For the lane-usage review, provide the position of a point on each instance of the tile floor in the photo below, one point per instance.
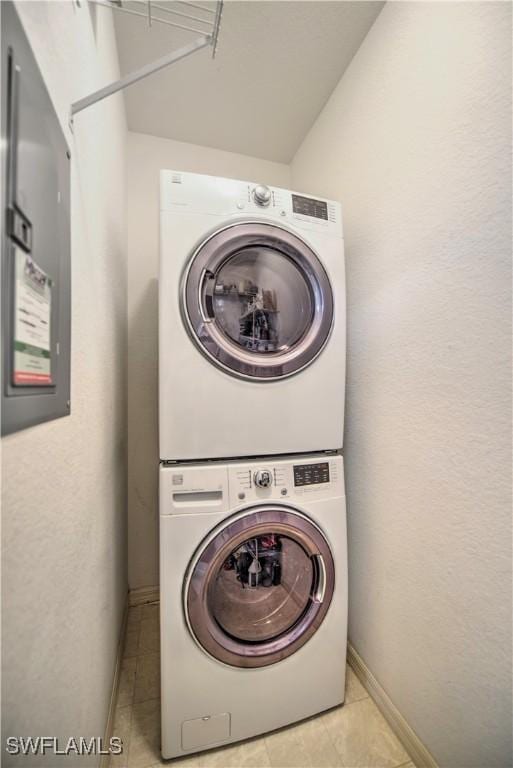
(352, 736)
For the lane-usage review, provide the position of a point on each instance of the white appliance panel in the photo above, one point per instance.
(195, 685)
(205, 411)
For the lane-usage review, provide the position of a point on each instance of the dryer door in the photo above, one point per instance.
(258, 301)
(259, 587)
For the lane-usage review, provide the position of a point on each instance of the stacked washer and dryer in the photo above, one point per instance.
(253, 554)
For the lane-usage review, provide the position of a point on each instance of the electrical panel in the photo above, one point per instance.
(36, 256)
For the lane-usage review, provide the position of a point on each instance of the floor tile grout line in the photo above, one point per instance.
(145, 701)
(331, 741)
(342, 764)
(353, 701)
(267, 751)
(129, 734)
(139, 636)
(146, 653)
(350, 704)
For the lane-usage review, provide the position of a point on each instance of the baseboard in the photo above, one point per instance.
(421, 757)
(143, 595)
(105, 759)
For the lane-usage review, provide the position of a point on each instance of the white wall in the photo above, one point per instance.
(64, 482)
(415, 142)
(146, 156)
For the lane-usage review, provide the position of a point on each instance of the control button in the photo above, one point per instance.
(263, 478)
(283, 491)
(283, 213)
(240, 206)
(242, 495)
(262, 195)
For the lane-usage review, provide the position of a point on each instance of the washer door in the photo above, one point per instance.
(258, 301)
(260, 587)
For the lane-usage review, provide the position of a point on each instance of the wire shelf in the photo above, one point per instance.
(208, 35)
(180, 14)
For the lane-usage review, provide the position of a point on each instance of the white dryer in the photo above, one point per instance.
(251, 320)
(253, 580)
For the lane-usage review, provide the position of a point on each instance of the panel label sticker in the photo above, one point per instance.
(32, 317)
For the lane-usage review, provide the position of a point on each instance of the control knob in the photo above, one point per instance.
(262, 195)
(263, 478)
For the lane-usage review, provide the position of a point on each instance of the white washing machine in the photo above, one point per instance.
(253, 575)
(251, 320)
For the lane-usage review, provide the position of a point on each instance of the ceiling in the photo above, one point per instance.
(277, 63)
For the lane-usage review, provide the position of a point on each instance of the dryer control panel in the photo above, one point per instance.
(195, 193)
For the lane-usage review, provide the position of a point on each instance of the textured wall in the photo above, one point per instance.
(64, 482)
(145, 158)
(415, 142)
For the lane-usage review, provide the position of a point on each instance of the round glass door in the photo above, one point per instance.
(258, 301)
(260, 588)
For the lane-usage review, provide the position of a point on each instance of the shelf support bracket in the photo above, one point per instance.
(140, 74)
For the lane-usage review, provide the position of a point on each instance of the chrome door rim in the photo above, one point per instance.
(211, 554)
(214, 252)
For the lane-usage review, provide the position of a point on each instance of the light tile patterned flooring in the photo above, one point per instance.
(352, 736)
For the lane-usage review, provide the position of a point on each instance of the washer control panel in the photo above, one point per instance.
(218, 487)
(195, 193)
(315, 477)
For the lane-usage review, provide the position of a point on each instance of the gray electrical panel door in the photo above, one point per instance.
(36, 269)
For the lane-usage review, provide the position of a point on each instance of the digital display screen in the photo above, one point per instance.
(311, 474)
(307, 206)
